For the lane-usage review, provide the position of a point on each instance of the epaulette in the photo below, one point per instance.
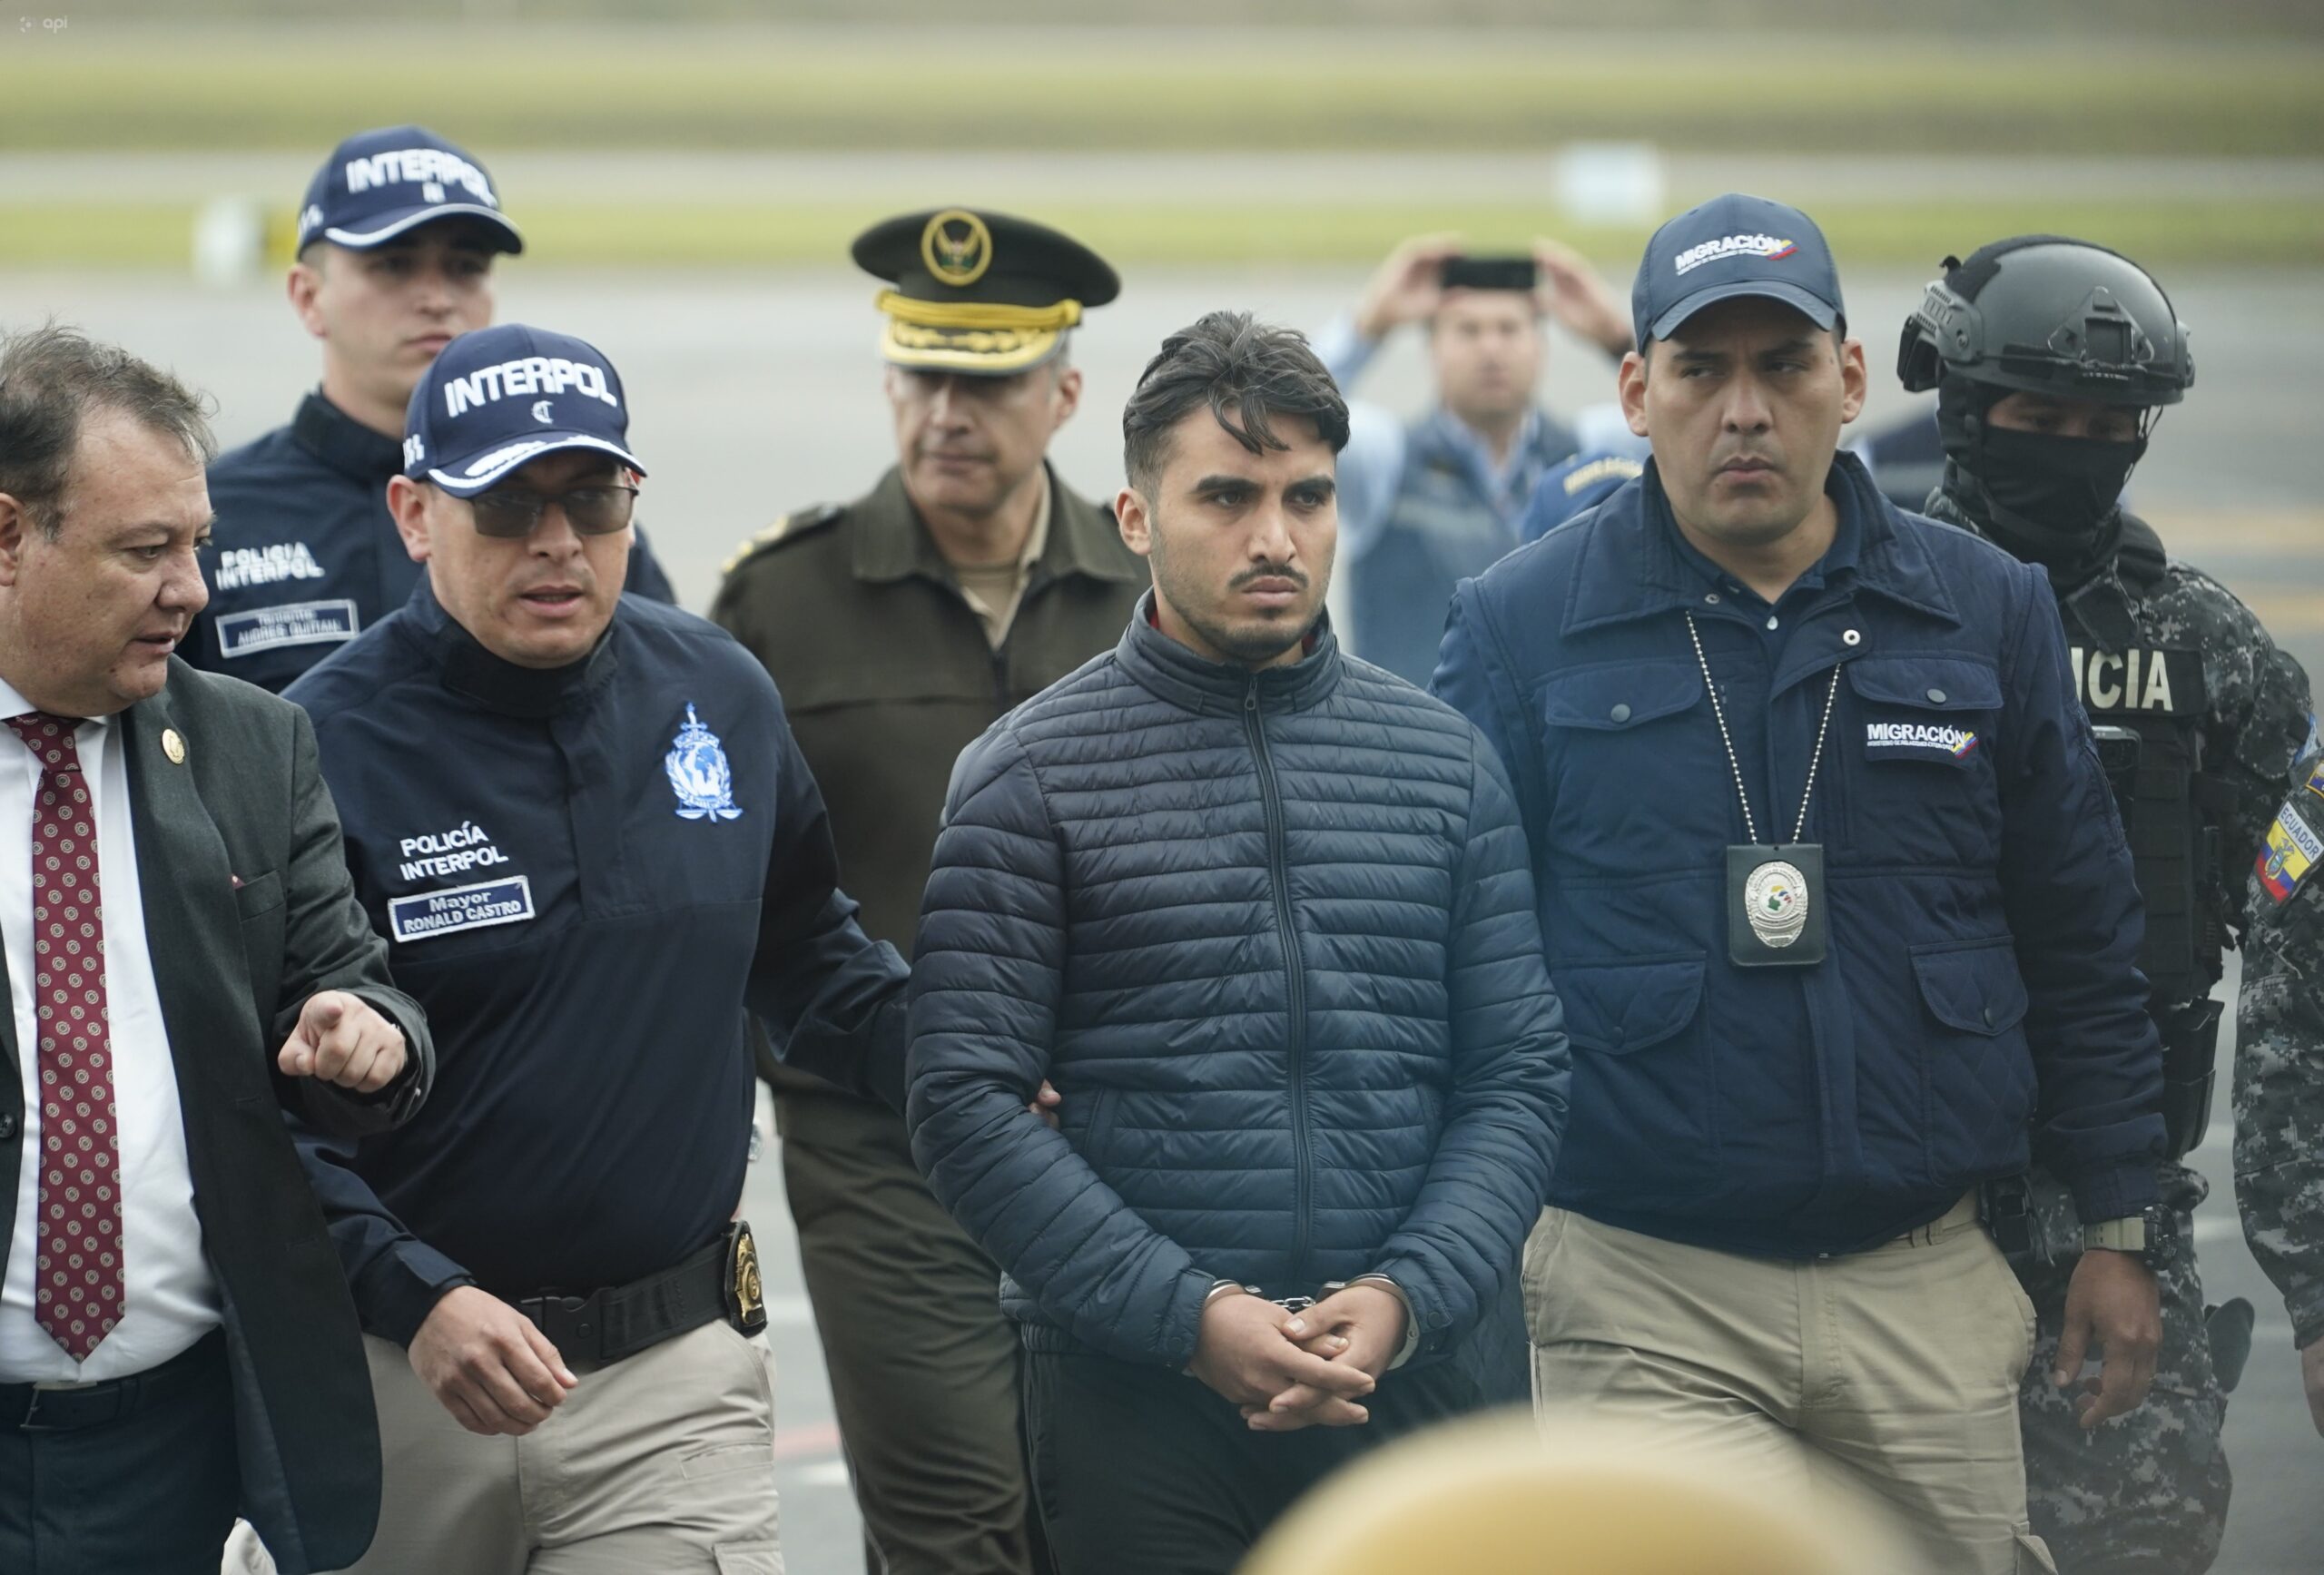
(790, 528)
(1615, 468)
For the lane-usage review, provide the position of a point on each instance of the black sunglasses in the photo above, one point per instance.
(512, 512)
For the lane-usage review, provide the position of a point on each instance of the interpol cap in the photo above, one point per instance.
(1730, 246)
(376, 185)
(501, 398)
(979, 292)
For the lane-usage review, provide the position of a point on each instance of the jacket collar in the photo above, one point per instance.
(1631, 565)
(1170, 670)
(892, 543)
(344, 443)
(466, 668)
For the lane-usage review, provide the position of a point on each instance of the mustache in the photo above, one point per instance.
(1297, 576)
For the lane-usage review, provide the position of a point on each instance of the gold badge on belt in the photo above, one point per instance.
(745, 1296)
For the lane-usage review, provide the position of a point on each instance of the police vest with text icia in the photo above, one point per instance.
(2174, 812)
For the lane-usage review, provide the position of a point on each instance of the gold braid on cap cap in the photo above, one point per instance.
(979, 314)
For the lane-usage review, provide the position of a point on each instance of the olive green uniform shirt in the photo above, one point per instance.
(888, 670)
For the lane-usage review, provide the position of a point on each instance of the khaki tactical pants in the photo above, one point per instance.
(1889, 1374)
(661, 1463)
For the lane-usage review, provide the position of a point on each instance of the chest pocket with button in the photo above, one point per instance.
(1636, 776)
(1920, 734)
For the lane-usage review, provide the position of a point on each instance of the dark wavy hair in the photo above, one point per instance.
(1250, 373)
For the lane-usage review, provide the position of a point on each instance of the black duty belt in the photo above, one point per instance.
(61, 1408)
(722, 1281)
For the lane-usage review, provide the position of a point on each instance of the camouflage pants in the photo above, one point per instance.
(2146, 1493)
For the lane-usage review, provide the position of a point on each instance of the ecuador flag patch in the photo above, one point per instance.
(2293, 850)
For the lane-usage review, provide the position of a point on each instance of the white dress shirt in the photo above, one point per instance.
(171, 1299)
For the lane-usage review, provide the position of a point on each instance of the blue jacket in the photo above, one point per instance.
(586, 872)
(306, 553)
(1271, 934)
(1982, 985)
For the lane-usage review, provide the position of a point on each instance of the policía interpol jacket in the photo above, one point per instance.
(586, 874)
(1270, 933)
(1982, 986)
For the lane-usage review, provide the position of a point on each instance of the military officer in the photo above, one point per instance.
(2051, 360)
(397, 237)
(898, 627)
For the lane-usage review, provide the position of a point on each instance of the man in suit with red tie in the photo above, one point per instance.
(185, 962)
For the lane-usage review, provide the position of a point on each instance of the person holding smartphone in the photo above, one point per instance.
(1426, 503)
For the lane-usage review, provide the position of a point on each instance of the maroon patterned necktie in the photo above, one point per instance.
(80, 1293)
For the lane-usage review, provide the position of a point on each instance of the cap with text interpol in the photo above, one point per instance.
(1732, 246)
(378, 185)
(502, 397)
(979, 292)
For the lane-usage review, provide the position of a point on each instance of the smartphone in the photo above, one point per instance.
(1489, 273)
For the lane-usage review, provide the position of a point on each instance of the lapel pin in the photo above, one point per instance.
(173, 746)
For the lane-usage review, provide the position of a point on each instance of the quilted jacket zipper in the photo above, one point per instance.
(1295, 978)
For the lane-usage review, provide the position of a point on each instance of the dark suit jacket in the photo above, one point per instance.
(234, 964)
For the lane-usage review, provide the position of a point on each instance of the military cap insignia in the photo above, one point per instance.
(957, 246)
(988, 294)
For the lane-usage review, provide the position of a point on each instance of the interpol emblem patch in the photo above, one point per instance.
(699, 775)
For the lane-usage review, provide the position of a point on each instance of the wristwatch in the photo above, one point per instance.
(2149, 1235)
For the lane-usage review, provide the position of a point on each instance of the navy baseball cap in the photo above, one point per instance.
(1730, 246)
(501, 398)
(376, 185)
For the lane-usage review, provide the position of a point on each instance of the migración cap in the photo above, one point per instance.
(1733, 246)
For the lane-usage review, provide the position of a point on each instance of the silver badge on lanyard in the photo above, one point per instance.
(1776, 900)
(1775, 917)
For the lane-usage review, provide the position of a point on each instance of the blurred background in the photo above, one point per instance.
(688, 173)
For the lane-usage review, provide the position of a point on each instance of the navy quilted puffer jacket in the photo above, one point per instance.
(1272, 935)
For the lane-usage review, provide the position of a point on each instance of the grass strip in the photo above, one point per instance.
(2233, 232)
(754, 88)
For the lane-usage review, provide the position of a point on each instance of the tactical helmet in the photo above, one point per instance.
(2049, 315)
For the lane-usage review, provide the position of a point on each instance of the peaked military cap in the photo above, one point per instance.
(979, 292)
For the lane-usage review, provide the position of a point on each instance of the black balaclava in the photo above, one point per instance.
(2051, 500)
